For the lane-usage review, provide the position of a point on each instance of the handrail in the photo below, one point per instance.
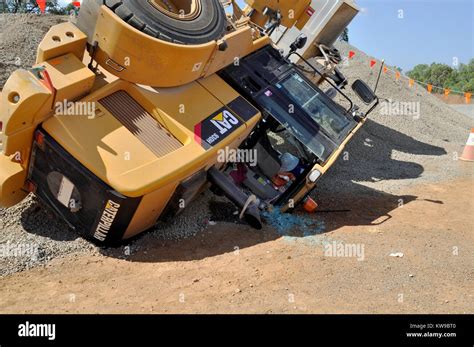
(324, 77)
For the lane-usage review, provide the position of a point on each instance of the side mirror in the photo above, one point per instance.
(299, 43)
(363, 91)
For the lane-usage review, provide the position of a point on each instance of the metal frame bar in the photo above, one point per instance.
(324, 77)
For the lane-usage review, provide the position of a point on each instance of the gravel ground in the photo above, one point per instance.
(468, 110)
(20, 35)
(389, 152)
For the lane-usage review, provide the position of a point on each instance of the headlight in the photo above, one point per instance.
(314, 176)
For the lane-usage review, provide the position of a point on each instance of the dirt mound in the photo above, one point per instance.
(395, 148)
(20, 35)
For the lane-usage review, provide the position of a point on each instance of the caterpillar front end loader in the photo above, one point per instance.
(126, 115)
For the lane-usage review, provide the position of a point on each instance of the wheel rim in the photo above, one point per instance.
(178, 9)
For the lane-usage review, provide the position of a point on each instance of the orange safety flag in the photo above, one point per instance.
(468, 97)
(429, 87)
(397, 75)
(372, 63)
(447, 91)
(351, 54)
(385, 69)
(411, 82)
(76, 4)
(42, 5)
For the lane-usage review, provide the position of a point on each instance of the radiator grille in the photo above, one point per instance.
(140, 123)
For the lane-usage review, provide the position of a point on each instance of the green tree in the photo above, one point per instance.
(465, 80)
(442, 75)
(53, 7)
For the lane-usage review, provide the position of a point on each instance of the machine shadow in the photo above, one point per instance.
(230, 235)
(41, 220)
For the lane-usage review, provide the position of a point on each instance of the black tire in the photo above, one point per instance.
(209, 25)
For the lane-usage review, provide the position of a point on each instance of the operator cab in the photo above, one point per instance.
(302, 126)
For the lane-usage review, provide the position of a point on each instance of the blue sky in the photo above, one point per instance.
(430, 31)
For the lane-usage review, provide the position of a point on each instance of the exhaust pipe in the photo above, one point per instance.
(238, 197)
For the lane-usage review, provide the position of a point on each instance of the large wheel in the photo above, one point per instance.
(178, 21)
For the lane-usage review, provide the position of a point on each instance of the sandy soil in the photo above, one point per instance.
(231, 268)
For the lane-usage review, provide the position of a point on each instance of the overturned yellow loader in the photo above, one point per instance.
(125, 116)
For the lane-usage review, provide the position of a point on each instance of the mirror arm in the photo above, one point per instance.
(373, 107)
(378, 77)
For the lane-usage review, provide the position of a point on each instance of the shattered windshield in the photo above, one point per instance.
(303, 128)
(307, 114)
(333, 122)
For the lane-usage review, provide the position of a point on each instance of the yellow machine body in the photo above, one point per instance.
(118, 157)
(27, 100)
(136, 57)
(123, 161)
(292, 12)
